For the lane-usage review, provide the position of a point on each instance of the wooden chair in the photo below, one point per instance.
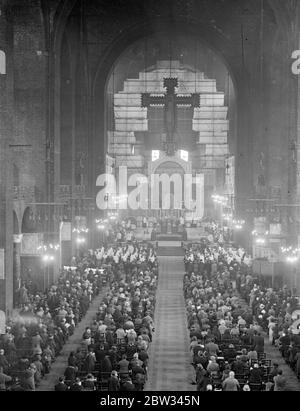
(255, 386)
(262, 356)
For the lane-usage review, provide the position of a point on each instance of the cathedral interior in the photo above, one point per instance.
(207, 88)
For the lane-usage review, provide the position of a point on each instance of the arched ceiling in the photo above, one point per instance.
(221, 23)
(283, 10)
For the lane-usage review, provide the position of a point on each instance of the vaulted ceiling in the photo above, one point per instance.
(284, 10)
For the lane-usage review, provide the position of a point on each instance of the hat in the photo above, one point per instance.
(246, 387)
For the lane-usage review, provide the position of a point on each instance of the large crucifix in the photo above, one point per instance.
(170, 101)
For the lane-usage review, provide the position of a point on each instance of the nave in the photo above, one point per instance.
(136, 334)
(170, 362)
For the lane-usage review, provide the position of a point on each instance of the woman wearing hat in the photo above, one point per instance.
(89, 384)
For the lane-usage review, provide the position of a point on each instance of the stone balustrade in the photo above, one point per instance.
(65, 192)
(26, 193)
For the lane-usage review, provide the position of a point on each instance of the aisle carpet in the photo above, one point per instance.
(170, 361)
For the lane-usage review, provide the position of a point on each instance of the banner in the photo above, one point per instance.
(275, 229)
(264, 268)
(30, 244)
(80, 222)
(230, 176)
(261, 252)
(65, 232)
(2, 264)
(260, 225)
(2, 323)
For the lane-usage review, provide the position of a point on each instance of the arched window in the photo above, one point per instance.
(2, 62)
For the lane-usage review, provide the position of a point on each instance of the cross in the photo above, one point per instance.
(170, 101)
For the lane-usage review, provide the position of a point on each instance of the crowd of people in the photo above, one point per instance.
(229, 310)
(228, 313)
(114, 351)
(114, 230)
(216, 233)
(35, 336)
(276, 310)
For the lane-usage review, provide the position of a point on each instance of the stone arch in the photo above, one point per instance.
(281, 14)
(55, 25)
(125, 40)
(205, 35)
(98, 142)
(28, 223)
(2, 62)
(154, 166)
(62, 14)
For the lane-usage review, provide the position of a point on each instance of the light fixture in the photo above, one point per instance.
(260, 240)
(184, 155)
(292, 259)
(227, 217)
(238, 224)
(220, 199)
(291, 254)
(80, 240)
(155, 155)
(48, 257)
(80, 230)
(50, 247)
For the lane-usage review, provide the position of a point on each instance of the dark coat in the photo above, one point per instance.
(113, 384)
(61, 387)
(259, 343)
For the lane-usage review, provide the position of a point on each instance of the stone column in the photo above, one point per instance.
(17, 263)
(297, 147)
(6, 204)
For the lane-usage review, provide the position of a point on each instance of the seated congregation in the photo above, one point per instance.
(113, 355)
(46, 320)
(37, 335)
(227, 334)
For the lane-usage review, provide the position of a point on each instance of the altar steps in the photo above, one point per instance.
(170, 251)
(169, 237)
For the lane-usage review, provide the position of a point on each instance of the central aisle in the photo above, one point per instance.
(170, 361)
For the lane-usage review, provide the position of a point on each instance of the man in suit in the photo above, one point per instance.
(256, 376)
(61, 386)
(113, 382)
(259, 343)
(77, 386)
(128, 385)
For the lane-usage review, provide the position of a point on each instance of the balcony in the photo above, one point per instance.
(24, 193)
(65, 192)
